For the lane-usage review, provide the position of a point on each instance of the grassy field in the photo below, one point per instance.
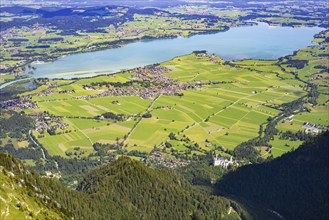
(280, 147)
(5, 77)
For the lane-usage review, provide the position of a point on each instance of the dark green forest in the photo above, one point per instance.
(294, 185)
(125, 189)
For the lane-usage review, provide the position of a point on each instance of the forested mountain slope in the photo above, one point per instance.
(21, 197)
(153, 194)
(294, 185)
(124, 189)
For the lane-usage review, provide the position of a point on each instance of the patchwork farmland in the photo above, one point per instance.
(223, 105)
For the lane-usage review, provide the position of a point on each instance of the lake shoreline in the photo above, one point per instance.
(109, 60)
(117, 44)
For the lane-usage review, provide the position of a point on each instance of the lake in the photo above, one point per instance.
(247, 42)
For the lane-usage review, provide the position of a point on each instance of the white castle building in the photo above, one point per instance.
(222, 161)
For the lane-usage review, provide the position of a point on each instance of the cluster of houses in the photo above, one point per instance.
(159, 85)
(155, 74)
(204, 53)
(212, 58)
(18, 104)
(12, 33)
(152, 73)
(25, 101)
(44, 121)
(311, 128)
(114, 91)
(160, 159)
(224, 162)
(319, 77)
(48, 90)
(123, 31)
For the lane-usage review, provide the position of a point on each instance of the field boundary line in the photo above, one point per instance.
(141, 117)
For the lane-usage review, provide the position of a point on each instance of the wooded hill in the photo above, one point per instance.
(124, 189)
(294, 185)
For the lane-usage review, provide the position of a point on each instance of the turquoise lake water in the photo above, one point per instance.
(247, 42)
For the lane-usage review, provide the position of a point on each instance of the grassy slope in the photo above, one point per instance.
(20, 200)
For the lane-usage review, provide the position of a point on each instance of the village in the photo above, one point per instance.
(18, 104)
(25, 102)
(152, 79)
(159, 158)
(45, 122)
